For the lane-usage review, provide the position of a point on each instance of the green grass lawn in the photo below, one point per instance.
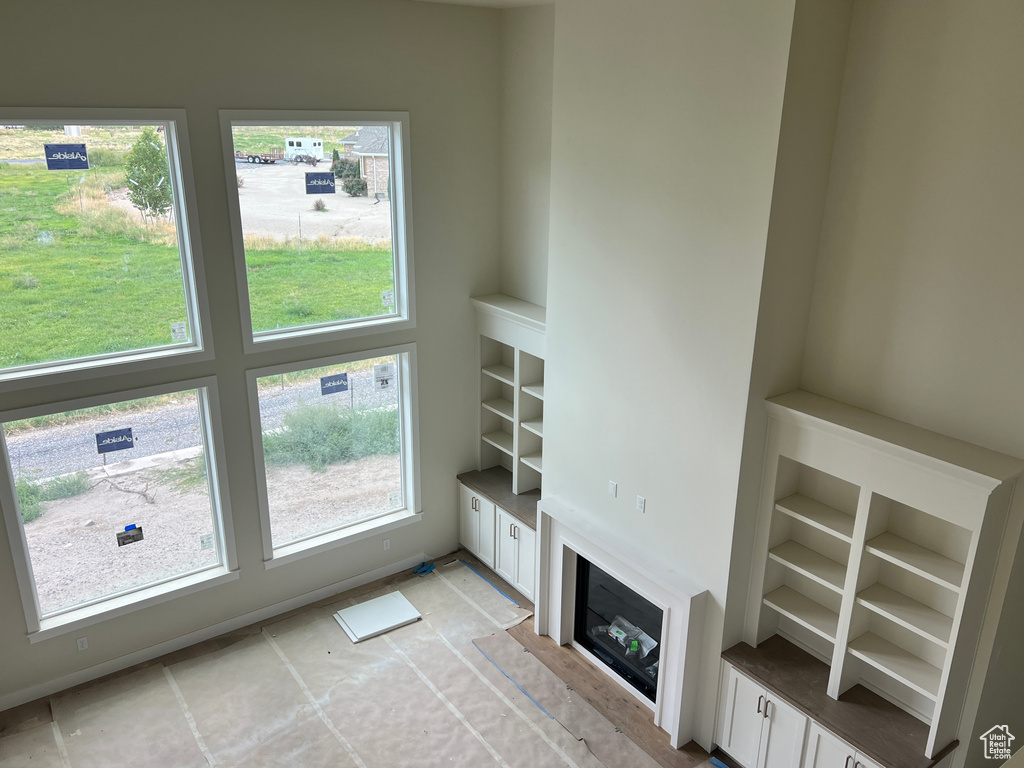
(79, 283)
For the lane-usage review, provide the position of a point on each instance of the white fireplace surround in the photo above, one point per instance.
(561, 539)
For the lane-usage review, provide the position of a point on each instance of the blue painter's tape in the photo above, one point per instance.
(517, 685)
(474, 570)
(130, 527)
(319, 183)
(66, 157)
(114, 440)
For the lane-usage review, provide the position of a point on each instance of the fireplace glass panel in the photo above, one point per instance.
(618, 626)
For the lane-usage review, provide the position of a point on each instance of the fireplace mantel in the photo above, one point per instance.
(565, 533)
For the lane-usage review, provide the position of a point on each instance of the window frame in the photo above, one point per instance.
(186, 212)
(404, 316)
(101, 609)
(409, 426)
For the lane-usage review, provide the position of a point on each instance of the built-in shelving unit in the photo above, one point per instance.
(512, 388)
(877, 543)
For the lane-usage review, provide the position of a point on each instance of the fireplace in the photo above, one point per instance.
(618, 626)
(646, 595)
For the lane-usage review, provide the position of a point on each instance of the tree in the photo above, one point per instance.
(147, 176)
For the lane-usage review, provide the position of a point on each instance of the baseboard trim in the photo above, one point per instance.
(160, 649)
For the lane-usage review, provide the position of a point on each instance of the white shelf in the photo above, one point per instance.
(814, 566)
(535, 390)
(899, 664)
(907, 612)
(500, 440)
(534, 461)
(500, 406)
(804, 611)
(534, 425)
(916, 559)
(502, 373)
(818, 515)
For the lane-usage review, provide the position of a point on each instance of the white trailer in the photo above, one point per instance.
(304, 149)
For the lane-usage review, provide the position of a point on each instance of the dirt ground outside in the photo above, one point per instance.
(274, 205)
(73, 544)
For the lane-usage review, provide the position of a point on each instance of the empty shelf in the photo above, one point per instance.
(502, 373)
(907, 612)
(814, 566)
(899, 664)
(804, 611)
(818, 515)
(537, 390)
(535, 425)
(915, 558)
(500, 406)
(534, 461)
(500, 440)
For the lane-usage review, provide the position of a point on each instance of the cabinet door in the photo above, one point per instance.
(469, 520)
(505, 547)
(742, 717)
(826, 750)
(782, 742)
(487, 513)
(526, 540)
(860, 761)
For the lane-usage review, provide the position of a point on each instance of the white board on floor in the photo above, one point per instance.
(374, 617)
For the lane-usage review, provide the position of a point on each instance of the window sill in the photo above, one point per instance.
(328, 541)
(289, 337)
(80, 618)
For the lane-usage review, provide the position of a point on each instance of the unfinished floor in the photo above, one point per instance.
(454, 689)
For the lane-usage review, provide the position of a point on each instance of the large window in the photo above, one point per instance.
(337, 444)
(98, 262)
(113, 499)
(321, 220)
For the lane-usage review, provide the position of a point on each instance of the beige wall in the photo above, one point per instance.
(654, 271)
(527, 72)
(441, 64)
(917, 310)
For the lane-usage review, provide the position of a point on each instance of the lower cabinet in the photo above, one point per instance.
(826, 750)
(476, 524)
(515, 555)
(757, 728)
(500, 539)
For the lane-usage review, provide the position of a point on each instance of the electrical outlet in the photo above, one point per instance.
(641, 504)
(83, 643)
(387, 544)
(613, 488)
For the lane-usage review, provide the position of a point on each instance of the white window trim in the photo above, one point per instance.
(189, 247)
(401, 228)
(336, 537)
(40, 627)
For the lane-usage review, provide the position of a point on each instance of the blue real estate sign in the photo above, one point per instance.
(66, 157)
(331, 384)
(114, 440)
(320, 183)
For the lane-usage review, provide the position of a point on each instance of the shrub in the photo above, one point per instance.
(32, 495)
(317, 436)
(345, 169)
(147, 175)
(354, 187)
(319, 204)
(240, 181)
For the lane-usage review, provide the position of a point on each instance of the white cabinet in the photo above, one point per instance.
(826, 750)
(476, 524)
(756, 727)
(515, 554)
(877, 545)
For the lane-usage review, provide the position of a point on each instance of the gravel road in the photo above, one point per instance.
(46, 452)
